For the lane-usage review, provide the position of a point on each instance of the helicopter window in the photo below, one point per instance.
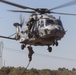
(59, 22)
(48, 22)
(42, 24)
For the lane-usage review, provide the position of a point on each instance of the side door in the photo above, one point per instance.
(41, 24)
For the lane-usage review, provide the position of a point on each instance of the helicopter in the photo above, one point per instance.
(42, 29)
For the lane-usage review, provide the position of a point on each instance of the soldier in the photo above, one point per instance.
(30, 53)
(30, 23)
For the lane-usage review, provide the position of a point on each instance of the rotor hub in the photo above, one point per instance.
(42, 10)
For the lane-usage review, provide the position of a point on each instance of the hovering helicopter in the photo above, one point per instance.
(43, 29)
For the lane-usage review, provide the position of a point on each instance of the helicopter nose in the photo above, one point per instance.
(58, 28)
(57, 32)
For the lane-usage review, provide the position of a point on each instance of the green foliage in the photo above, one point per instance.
(23, 71)
(4, 71)
(45, 72)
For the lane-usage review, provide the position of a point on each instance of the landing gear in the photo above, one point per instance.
(49, 49)
(55, 43)
(23, 46)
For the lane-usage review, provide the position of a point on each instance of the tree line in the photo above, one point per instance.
(24, 71)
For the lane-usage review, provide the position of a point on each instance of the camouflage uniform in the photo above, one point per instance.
(30, 53)
(30, 23)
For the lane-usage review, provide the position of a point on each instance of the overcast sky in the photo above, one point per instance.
(62, 56)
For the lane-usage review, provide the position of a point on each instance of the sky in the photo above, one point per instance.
(62, 56)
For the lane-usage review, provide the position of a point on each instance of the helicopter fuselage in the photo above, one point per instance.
(45, 31)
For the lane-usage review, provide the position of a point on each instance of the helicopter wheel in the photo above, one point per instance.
(22, 46)
(50, 49)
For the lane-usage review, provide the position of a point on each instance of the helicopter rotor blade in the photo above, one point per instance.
(63, 13)
(7, 37)
(40, 10)
(65, 5)
(16, 5)
(22, 11)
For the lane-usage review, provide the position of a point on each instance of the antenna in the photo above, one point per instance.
(1, 50)
(59, 17)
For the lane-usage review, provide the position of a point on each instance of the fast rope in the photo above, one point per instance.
(28, 64)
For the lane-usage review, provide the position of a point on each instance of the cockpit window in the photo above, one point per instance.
(59, 22)
(49, 21)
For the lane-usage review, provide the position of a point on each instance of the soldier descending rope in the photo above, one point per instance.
(30, 53)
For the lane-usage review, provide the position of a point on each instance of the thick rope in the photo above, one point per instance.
(28, 65)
